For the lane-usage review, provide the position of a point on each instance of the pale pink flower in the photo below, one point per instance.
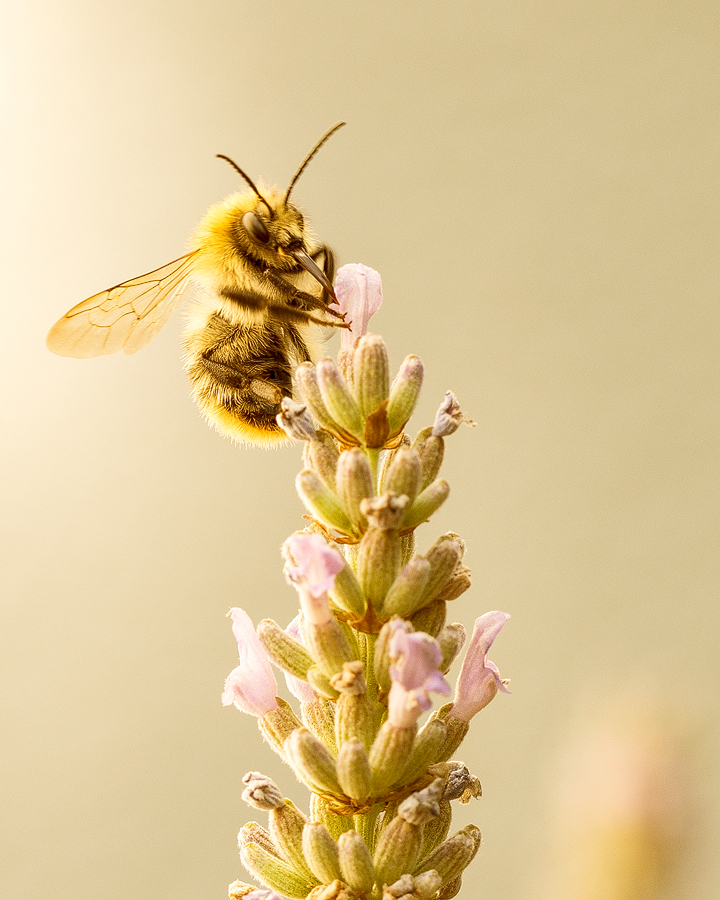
(359, 295)
(414, 675)
(251, 686)
(479, 679)
(311, 564)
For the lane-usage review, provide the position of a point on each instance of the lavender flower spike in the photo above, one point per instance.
(413, 676)
(251, 686)
(311, 565)
(479, 679)
(359, 294)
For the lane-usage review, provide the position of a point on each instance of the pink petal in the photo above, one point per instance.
(359, 293)
(251, 685)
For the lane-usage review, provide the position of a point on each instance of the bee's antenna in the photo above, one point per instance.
(243, 175)
(310, 156)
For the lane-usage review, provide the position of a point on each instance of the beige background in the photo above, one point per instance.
(537, 182)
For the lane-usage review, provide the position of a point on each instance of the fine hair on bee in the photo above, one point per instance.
(262, 285)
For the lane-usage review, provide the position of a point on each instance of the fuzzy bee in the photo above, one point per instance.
(262, 284)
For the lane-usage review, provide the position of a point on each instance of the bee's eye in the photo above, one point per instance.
(255, 227)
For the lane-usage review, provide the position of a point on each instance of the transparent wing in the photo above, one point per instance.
(124, 317)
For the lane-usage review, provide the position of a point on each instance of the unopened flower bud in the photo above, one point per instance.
(407, 593)
(453, 856)
(319, 716)
(431, 618)
(347, 594)
(382, 656)
(379, 554)
(273, 871)
(451, 640)
(356, 863)
(286, 825)
(278, 724)
(404, 394)
(321, 455)
(309, 389)
(338, 399)
(389, 755)
(261, 792)
(354, 482)
(312, 762)
(321, 852)
(353, 769)
(400, 843)
(371, 373)
(285, 651)
(295, 420)
(404, 474)
(443, 556)
(354, 715)
(430, 450)
(426, 503)
(323, 503)
(322, 811)
(428, 743)
(457, 584)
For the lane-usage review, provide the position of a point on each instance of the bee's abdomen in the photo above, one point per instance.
(238, 375)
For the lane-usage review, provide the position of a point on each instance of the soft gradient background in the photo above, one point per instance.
(537, 182)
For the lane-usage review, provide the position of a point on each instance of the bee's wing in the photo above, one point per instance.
(124, 317)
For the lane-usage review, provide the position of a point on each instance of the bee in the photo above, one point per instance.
(262, 285)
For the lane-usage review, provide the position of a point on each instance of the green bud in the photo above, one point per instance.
(277, 725)
(430, 618)
(254, 833)
(321, 852)
(322, 811)
(312, 761)
(323, 503)
(430, 449)
(354, 714)
(451, 889)
(356, 864)
(338, 400)
(371, 370)
(328, 645)
(284, 650)
(286, 825)
(454, 855)
(404, 474)
(321, 455)
(389, 755)
(320, 683)
(427, 883)
(319, 716)
(407, 593)
(456, 585)
(379, 553)
(353, 768)
(426, 503)
(347, 594)
(436, 831)
(274, 872)
(404, 394)
(444, 557)
(400, 842)
(456, 731)
(428, 744)
(307, 382)
(451, 640)
(354, 484)
(382, 658)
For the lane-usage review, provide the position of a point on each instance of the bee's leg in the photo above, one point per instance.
(299, 345)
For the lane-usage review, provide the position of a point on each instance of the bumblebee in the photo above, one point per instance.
(262, 284)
